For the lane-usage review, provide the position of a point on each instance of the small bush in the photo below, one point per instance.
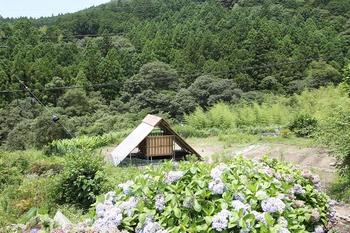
(285, 133)
(304, 125)
(81, 181)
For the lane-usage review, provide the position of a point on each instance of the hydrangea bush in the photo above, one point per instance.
(241, 196)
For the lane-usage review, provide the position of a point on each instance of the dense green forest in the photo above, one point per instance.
(93, 67)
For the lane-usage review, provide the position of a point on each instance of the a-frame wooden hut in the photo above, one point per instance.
(153, 138)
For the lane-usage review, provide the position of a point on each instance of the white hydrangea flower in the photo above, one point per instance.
(266, 170)
(319, 229)
(160, 202)
(126, 186)
(188, 202)
(129, 206)
(110, 197)
(261, 195)
(282, 196)
(220, 220)
(278, 176)
(173, 176)
(217, 186)
(217, 171)
(282, 222)
(289, 178)
(272, 205)
(238, 205)
(150, 227)
(283, 230)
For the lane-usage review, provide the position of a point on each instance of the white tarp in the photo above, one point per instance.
(131, 142)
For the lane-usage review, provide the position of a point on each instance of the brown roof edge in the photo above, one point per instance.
(179, 139)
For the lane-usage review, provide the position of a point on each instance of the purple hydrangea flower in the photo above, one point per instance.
(109, 220)
(239, 196)
(126, 186)
(298, 190)
(160, 202)
(259, 216)
(238, 205)
(34, 230)
(217, 186)
(173, 176)
(272, 205)
(129, 206)
(220, 220)
(150, 227)
(101, 209)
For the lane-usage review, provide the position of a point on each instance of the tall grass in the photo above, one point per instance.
(84, 143)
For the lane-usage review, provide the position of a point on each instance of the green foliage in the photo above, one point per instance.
(334, 131)
(322, 74)
(83, 143)
(21, 175)
(340, 190)
(163, 57)
(303, 125)
(190, 205)
(82, 180)
(223, 116)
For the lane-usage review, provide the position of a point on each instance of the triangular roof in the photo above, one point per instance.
(141, 132)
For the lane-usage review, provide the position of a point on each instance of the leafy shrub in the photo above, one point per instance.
(198, 197)
(304, 125)
(334, 131)
(82, 179)
(285, 133)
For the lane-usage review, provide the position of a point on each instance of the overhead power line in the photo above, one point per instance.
(55, 119)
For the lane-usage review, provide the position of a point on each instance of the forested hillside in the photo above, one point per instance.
(157, 56)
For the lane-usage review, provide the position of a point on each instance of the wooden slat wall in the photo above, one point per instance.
(160, 145)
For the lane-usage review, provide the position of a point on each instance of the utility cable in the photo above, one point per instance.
(54, 117)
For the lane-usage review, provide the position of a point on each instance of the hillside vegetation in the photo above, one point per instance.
(163, 57)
